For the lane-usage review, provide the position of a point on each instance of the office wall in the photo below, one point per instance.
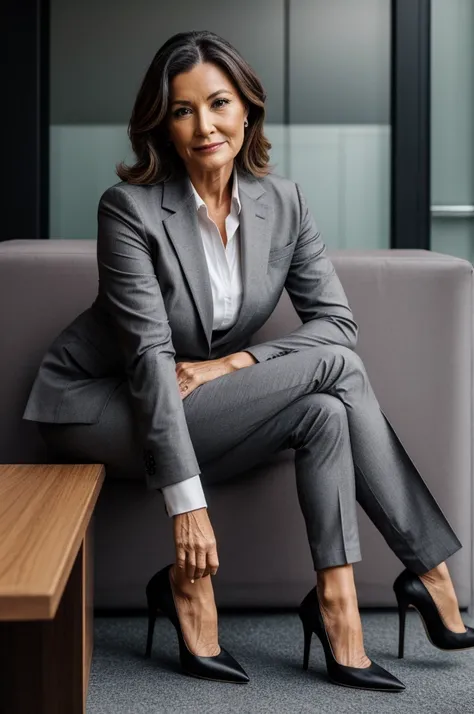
(334, 138)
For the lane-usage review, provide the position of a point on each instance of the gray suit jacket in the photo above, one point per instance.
(154, 308)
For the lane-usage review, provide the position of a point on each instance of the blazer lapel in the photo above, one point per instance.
(183, 230)
(255, 238)
(182, 227)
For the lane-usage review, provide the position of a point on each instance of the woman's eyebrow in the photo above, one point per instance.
(185, 101)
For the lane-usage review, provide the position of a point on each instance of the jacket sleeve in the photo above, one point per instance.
(317, 296)
(130, 293)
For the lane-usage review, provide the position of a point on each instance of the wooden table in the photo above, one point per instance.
(46, 586)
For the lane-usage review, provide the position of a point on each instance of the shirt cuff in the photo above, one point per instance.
(184, 496)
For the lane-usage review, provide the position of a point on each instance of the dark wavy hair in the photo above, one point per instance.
(157, 159)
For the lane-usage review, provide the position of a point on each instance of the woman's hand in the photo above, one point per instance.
(192, 374)
(196, 548)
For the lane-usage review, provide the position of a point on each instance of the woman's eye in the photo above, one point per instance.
(226, 101)
(177, 113)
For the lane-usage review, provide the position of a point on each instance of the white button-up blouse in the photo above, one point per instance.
(226, 282)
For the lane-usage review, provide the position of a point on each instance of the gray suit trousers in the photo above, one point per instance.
(319, 402)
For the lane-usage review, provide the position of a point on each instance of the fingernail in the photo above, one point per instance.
(192, 581)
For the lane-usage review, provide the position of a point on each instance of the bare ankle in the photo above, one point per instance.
(439, 572)
(336, 584)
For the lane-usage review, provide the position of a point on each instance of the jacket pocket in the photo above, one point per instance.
(278, 253)
(91, 362)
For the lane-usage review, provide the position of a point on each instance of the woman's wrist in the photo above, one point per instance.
(238, 360)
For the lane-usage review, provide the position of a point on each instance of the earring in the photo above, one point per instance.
(246, 123)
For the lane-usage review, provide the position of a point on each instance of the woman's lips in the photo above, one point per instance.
(209, 149)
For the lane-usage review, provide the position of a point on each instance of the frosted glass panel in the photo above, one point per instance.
(82, 166)
(452, 121)
(345, 174)
(339, 133)
(347, 186)
(337, 142)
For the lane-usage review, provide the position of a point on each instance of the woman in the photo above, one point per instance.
(195, 246)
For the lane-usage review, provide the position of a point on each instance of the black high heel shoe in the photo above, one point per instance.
(410, 590)
(373, 677)
(221, 668)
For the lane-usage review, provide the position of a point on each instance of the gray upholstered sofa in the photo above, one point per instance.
(414, 309)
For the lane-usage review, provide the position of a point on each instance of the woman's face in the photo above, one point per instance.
(195, 118)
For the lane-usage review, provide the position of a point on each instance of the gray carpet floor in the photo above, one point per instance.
(269, 646)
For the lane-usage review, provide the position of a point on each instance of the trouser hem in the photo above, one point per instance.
(429, 561)
(337, 557)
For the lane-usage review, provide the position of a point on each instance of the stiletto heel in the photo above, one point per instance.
(151, 628)
(402, 608)
(308, 633)
(373, 677)
(220, 668)
(410, 590)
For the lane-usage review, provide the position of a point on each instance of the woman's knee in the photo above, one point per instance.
(317, 413)
(322, 402)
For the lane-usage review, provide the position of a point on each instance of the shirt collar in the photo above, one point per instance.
(235, 193)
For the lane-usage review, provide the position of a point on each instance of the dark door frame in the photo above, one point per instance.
(410, 223)
(27, 77)
(25, 73)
